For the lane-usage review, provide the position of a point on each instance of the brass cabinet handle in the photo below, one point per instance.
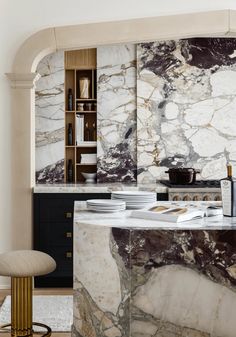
(206, 198)
(68, 215)
(69, 255)
(68, 234)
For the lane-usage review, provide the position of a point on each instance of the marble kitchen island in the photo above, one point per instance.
(143, 278)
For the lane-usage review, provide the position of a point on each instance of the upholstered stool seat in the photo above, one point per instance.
(22, 266)
(22, 263)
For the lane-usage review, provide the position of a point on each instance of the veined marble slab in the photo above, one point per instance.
(97, 188)
(124, 220)
(133, 279)
(49, 121)
(116, 113)
(186, 106)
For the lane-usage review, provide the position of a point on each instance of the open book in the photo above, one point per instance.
(175, 213)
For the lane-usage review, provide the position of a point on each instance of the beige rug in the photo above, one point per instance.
(54, 311)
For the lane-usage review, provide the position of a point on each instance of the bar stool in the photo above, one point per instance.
(22, 266)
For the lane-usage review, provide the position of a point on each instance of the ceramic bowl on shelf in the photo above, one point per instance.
(89, 177)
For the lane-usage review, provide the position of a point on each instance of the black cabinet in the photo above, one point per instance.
(53, 233)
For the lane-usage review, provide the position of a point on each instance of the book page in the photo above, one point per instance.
(168, 210)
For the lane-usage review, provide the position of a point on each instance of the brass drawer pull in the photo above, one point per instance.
(68, 215)
(69, 255)
(68, 234)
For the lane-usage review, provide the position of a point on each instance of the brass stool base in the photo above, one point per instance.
(47, 334)
(49, 331)
(22, 309)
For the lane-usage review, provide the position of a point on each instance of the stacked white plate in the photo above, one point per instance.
(106, 205)
(135, 199)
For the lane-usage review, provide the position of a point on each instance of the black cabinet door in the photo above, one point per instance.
(64, 259)
(55, 209)
(53, 233)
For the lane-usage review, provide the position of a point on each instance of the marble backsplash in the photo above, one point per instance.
(184, 92)
(49, 119)
(186, 106)
(116, 119)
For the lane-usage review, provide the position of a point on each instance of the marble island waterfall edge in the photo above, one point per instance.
(154, 282)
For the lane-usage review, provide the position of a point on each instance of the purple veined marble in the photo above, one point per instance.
(116, 113)
(186, 100)
(49, 119)
(152, 282)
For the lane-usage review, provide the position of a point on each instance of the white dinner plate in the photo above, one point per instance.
(133, 193)
(136, 207)
(134, 196)
(101, 207)
(105, 210)
(106, 202)
(134, 199)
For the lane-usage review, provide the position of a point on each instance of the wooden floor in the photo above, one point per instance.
(51, 291)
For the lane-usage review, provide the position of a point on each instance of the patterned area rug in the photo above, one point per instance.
(54, 311)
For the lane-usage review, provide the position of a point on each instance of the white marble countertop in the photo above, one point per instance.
(97, 188)
(123, 219)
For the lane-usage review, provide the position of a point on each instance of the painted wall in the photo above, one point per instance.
(50, 119)
(18, 21)
(186, 107)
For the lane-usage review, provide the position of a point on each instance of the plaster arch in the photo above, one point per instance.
(46, 41)
(214, 23)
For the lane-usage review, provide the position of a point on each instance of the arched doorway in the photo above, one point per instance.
(23, 76)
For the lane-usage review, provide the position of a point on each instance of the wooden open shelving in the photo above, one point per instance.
(80, 64)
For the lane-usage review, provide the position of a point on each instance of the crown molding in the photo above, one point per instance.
(23, 81)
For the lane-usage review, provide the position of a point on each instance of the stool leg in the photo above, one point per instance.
(21, 306)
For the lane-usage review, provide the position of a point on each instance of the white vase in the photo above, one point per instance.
(84, 84)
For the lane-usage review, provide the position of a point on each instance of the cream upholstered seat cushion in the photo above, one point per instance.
(22, 263)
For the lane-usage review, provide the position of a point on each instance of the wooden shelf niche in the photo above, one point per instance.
(80, 112)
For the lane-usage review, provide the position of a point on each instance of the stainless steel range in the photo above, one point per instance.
(201, 190)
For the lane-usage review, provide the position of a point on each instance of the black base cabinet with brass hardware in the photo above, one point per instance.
(53, 233)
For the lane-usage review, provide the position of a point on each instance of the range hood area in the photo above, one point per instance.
(159, 105)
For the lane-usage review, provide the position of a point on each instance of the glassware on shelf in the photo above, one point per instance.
(94, 132)
(70, 134)
(70, 99)
(88, 106)
(70, 171)
(87, 132)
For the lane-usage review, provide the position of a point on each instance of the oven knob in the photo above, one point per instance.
(186, 198)
(206, 198)
(175, 198)
(195, 198)
(217, 198)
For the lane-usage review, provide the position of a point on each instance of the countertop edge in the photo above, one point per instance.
(122, 220)
(97, 188)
